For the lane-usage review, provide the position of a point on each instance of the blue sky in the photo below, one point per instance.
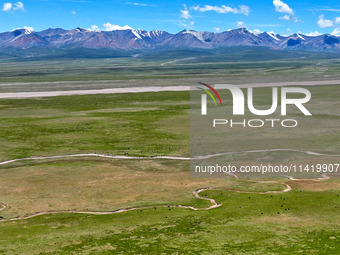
(281, 16)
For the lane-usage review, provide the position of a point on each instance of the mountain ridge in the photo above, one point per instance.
(130, 39)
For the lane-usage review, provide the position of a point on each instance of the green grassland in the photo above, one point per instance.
(129, 124)
(105, 185)
(303, 221)
(147, 124)
(300, 221)
(234, 65)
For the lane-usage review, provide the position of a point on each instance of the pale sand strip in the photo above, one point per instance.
(155, 89)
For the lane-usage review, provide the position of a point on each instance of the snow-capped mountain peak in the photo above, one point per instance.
(130, 39)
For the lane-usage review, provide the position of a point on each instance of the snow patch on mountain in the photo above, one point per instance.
(273, 35)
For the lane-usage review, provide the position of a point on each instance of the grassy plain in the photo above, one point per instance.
(148, 124)
(300, 221)
(105, 185)
(183, 67)
(129, 124)
(303, 221)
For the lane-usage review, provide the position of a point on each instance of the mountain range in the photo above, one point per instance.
(127, 40)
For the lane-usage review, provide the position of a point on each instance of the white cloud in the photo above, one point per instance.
(138, 4)
(217, 29)
(288, 12)
(336, 32)
(337, 20)
(289, 32)
(185, 13)
(73, 12)
(240, 24)
(18, 6)
(285, 17)
(329, 10)
(315, 33)
(323, 23)
(110, 27)
(187, 24)
(95, 28)
(185, 18)
(290, 18)
(282, 7)
(7, 7)
(257, 31)
(243, 9)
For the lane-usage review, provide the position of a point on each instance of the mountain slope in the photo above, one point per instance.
(129, 39)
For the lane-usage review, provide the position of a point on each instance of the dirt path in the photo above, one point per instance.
(323, 177)
(195, 193)
(177, 60)
(265, 150)
(3, 206)
(287, 189)
(214, 204)
(160, 157)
